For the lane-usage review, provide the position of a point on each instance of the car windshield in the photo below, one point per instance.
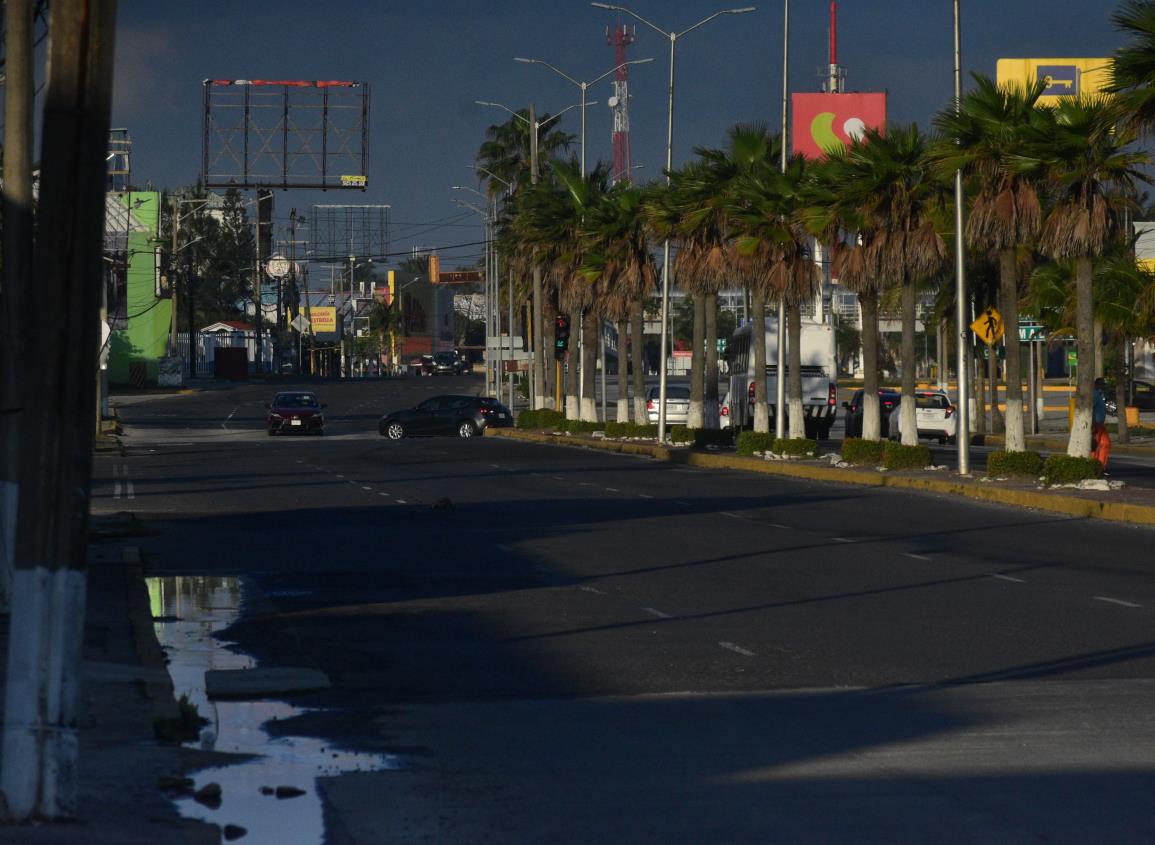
(674, 393)
(296, 400)
(931, 400)
(445, 357)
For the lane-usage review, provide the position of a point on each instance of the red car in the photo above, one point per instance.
(295, 412)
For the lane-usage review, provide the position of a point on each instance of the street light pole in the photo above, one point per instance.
(963, 429)
(665, 342)
(780, 381)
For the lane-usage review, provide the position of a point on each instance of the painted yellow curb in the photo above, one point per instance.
(1053, 502)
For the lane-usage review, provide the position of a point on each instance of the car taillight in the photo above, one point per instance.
(853, 408)
(750, 392)
(949, 411)
(649, 404)
(725, 411)
(833, 400)
(484, 409)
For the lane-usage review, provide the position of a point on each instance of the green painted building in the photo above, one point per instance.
(139, 302)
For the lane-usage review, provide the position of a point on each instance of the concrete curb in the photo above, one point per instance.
(1059, 444)
(1054, 502)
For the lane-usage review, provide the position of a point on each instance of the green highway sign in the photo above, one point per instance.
(1032, 333)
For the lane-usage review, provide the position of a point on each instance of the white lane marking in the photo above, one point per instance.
(645, 496)
(585, 484)
(558, 478)
(1119, 602)
(536, 474)
(402, 502)
(1009, 578)
(737, 649)
(300, 461)
(116, 489)
(731, 515)
(338, 475)
(841, 539)
(778, 525)
(591, 590)
(683, 504)
(354, 483)
(495, 466)
(655, 612)
(363, 487)
(503, 547)
(913, 556)
(612, 490)
(383, 494)
(129, 488)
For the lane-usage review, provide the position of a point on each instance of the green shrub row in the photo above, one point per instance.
(1063, 469)
(542, 419)
(628, 429)
(861, 452)
(799, 446)
(713, 437)
(681, 434)
(1014, 463)
(750, 442)
(897, 456)
(582, 427)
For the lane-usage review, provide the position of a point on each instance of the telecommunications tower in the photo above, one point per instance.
(621, 37)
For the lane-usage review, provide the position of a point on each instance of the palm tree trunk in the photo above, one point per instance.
(979, 392)
(1123, 430)
(623, 373)
(758, 347)
(589, 354)
(871, 417)
(996, 415)
(549, 363)
(908, 417)
(1080, 443)
(1009, 296)
(538, 351)
(796, 415)
(572, 388)
(710, 376)
(697, 362)
(638, 359)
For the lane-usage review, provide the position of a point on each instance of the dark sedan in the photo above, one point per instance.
(464, 416)
(888, 400)
(295, 412)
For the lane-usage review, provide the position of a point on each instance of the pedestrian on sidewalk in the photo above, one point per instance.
(1100, 439)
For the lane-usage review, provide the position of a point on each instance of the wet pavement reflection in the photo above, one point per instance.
(188, 612)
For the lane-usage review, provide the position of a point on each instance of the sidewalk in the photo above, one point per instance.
(125, 687)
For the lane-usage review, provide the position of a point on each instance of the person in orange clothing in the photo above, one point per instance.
(1100, 439)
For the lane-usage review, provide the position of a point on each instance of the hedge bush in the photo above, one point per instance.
(750, 442)
(582, 426)
(897, 456)
(681, 434)
(542, 418)
(1063, 469)
(857, 451)
(704, 437)
(628, 429)
(798, 446)
(1014, 463)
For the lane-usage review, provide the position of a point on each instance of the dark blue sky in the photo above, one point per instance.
(428, 62)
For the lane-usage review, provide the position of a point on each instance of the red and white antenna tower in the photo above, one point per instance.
(835, 73)
(621, 37)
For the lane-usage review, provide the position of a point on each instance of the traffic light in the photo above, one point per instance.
(561, 337)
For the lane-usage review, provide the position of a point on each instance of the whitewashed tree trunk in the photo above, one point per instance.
(590, 326)
(797, 415)
(871, 421)
(623, 408)
(1079, 444)
(697, 363)
(710, 417)
(908, 417)
(638, 358)
(758, 349)
(1009, 301)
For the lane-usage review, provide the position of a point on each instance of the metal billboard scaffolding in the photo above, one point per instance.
(285, 134)
(343, 231)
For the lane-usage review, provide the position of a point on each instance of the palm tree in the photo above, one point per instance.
(982, 139)
(889, 195)
(1133, 71)
(1090, 171)
(617, 251)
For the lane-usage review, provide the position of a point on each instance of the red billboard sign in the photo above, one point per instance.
(829, 121)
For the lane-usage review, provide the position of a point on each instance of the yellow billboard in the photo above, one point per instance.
(1063, 77)
(323, 319)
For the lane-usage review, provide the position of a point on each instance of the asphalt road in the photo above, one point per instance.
(573, 647)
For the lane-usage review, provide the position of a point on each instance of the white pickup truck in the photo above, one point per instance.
(819, 368)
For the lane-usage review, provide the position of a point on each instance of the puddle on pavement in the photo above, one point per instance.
(188, 611)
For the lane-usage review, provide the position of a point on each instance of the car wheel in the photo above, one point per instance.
(395, 431)
(466, 429)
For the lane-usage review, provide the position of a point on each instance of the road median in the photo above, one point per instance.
(1134, 506)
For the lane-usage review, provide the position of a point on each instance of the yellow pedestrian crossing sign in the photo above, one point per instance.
(989, 327)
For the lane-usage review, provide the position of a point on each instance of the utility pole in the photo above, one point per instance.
(38, 765)
(17, 268)
(538, 359)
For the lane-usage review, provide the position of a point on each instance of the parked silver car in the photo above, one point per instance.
(677, 404)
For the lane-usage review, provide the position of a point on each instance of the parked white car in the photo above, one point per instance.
(677, 404)
(934, 413)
